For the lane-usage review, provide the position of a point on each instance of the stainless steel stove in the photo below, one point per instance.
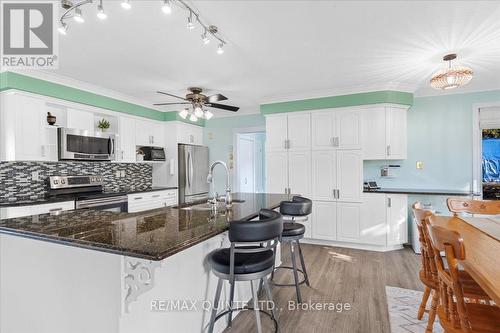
(88, 192)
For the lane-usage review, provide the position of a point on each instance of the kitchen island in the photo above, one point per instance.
(97, 271)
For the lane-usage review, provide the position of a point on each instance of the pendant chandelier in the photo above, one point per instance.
(452, 76)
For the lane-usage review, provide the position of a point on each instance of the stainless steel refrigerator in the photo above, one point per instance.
(193, 172)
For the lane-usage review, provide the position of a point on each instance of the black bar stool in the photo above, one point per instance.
(245, 262)
(295, 210)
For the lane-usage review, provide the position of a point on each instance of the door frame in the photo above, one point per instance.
(236, 131)
(477, 147)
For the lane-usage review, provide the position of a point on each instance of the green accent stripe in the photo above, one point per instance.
(10, 80)
(375, 97)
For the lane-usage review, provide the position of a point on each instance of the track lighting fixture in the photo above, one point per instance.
(72, 9)
(78, 17)
(166, 8)
(126, 4)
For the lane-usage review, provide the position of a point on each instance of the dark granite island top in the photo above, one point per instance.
(154, 234)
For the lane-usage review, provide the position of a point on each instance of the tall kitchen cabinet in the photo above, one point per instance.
(288, 153)
(337, 174)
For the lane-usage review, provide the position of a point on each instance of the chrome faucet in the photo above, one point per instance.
(229, 199)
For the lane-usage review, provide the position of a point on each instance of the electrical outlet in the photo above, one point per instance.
(117, 173)
(123, 173)
(35, 176)
(420, 165)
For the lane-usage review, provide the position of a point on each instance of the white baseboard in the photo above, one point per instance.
(368, 247)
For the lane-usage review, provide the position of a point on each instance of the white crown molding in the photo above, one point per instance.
(73, 83)
(340, 91)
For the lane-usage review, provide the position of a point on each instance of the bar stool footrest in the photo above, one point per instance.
(289, 284)
(225, 312)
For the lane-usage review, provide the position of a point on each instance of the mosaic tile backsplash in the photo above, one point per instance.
(16, 182)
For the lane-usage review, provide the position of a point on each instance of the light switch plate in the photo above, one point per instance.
(35, 176)
(420, 165)
(117, 173)
(123, 173)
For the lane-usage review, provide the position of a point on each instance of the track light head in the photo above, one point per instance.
(77, 16)
(100, 12)
(220, 48)
(63, 28)
(126, 4)
(166, 8)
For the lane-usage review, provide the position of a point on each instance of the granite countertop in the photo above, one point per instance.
(45, 200)
(154, 234)
(422, 191)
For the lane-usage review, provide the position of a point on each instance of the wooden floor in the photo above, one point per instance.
(339, 275)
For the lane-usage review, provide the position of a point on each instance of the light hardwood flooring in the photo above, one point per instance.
(339, 275)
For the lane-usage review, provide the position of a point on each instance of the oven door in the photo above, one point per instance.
(117, 204)
(77, 144)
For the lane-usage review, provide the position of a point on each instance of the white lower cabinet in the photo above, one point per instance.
(397, 216)
(138, 202)
(20, 211)
(373, 221)
(348, 222)
(324, 220)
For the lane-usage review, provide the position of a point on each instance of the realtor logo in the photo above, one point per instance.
(29, 38)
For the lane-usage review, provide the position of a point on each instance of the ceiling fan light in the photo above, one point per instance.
(208, 115)
(78, 17)
(100, 12)
(192, 117)
(198, 112)
(184, 113)
(220, 49)
(452, 76)
(63, 28)
(126, 4)
(166, 8)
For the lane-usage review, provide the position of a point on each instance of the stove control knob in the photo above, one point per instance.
(56, 181)
(63, 181)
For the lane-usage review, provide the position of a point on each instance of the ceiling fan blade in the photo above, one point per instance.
(223, 107)
(164, 93)
(170, 103)
(216, 98)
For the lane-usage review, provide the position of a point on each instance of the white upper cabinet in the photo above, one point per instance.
(82, 120)
(276, 133)
(323, 130)
(149, 133)
(127, 149)
(189, 134)
(277, 172)
(396, 133)
(299, 173)
(299, 132)
(324, 177)
(349, 175)
(384, 133)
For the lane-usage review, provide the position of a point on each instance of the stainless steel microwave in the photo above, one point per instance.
(76, 144)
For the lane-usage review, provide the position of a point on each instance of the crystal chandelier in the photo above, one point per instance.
(452, 76)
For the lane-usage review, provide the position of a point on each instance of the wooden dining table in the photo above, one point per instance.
(482, 254)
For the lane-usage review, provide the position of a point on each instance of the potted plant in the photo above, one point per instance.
(103, 124)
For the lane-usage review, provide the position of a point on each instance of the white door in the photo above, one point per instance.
(299, 172)
(276, 133)
(323, 130)
(373, 131)
(323, 175)
(348, 221)
(246, 165)
(29, 129)
(396, 133)
(397, 215)
(277, 172)
(349, 175)
(299, 132)
(373, 223)
(82, 120)
(127, 140)
(324, 220)
(348, 129)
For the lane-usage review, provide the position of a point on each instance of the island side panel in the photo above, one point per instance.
(47, 287)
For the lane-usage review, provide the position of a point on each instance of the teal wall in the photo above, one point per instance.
(218, 136)
(440, 135)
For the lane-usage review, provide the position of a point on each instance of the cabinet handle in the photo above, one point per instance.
(388, 150)
(55, 209)
(137, 198)
(156, 196)
(332, 141)
(389, 202)
(338, 194)
(334, 194)
(337, 141)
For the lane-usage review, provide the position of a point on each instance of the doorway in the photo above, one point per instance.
(250, 151)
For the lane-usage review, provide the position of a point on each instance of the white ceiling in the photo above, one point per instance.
(279, 50)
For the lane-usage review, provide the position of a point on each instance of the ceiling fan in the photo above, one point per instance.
(199, 103)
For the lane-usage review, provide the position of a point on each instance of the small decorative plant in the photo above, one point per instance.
(103, 124)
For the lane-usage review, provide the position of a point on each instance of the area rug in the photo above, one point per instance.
(403, 307)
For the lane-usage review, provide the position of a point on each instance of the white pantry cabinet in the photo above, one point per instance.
(24, 132)
(290, 132)
(277, 172)
(20, 211)
(336, 129)
(299, 173)
(324, 220)
(348, 222)
(384, 133)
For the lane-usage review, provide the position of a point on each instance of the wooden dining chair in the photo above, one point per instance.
(486, 207)
(428, 273)
(458, 310)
